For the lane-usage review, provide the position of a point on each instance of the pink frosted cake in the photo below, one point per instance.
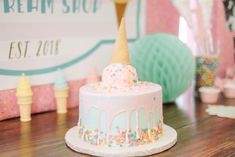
(120, 111)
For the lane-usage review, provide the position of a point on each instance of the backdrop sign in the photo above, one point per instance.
(40, 36)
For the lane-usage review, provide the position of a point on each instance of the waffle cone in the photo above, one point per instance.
(25, 108)
(61, 96)
(120, 11)
(22, 100)
(120, 53)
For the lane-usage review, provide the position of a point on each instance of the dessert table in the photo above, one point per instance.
(199, 134)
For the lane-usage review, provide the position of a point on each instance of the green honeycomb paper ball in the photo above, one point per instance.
(163, 59)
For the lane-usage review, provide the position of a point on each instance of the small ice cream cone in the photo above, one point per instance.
(92, 78)
(61, 96)
(120, 6)
(24, 99)
(120, 53)
(61, 93)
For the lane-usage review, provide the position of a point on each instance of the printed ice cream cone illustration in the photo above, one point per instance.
(120, 6)
(61, 92)
(120, 53)
(24, 98)
(92, 78)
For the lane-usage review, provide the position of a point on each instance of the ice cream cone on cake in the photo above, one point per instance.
(61, 93)
(24, 98)
(120, 52)
(120, 6)
(120, 72)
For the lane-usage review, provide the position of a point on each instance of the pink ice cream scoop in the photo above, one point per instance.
(119, 74)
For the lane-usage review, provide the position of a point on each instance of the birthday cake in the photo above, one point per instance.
(120, 111)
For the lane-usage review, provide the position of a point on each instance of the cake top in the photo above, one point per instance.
(106, 89)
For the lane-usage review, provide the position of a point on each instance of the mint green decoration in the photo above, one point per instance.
(162, 58)
(60, 81)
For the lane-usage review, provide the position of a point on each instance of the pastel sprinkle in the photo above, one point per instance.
(119, 140)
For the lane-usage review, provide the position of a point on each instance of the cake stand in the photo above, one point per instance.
(166, 141)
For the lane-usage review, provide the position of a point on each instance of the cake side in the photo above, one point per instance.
(121, 119)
